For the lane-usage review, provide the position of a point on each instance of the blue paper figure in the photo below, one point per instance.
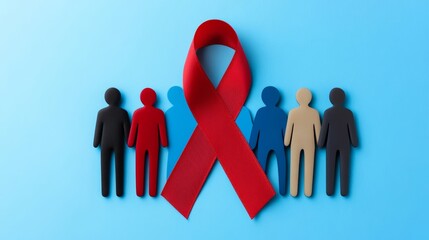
(181, 125)
(268, 134)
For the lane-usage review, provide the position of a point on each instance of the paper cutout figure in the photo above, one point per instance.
(302, 132)
(147, 129)
(181, 124)
(338, 133)
(111, 132)
(268, 133)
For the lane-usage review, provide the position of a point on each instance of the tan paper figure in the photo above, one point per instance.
(302, 133)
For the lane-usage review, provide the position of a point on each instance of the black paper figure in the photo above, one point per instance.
(268, 133)
(111, 132)
(338, 133)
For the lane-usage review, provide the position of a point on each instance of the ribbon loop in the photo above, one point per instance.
(217, 135)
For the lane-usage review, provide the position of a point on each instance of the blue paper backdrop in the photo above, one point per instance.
(58, 57)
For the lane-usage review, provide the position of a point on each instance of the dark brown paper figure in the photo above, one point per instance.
(111, 131)
(338, 133)
(302, 132)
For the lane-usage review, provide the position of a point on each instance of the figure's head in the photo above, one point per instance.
(337, 96)
(148, 97)
(176, 96)
(270, 96)
(112, 96)
(303, 96)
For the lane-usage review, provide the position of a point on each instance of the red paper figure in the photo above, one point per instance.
(147, 128)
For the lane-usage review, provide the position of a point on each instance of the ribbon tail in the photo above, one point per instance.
(188, 176)
(243, 169)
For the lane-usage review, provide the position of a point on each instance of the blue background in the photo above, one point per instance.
(58, 57)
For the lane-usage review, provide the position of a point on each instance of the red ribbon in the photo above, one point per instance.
(217, 135)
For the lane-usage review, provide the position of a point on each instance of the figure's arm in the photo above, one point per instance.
(284, 121)
(352, 130)
(316, 125)
(254, 135)
(126, 125)
(163, 131)
(244, 122)
(324, 131)
(98, 130)
(289, 129)
(133, 131)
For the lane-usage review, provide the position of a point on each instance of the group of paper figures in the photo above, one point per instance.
(272, 130)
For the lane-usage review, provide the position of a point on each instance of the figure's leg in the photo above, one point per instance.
(344, 171)
(281, 165)
(119, 170)
(262, 155)
(294, 170)
(106, 154)
(330, 170)
(140, 165)
(153, 155)
(309, 170)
